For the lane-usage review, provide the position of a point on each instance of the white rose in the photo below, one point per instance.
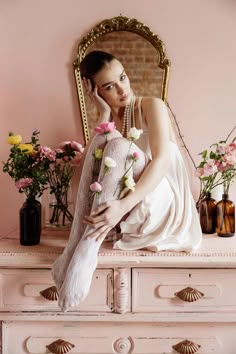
(129, 182)
(109, 162)
(134, 134)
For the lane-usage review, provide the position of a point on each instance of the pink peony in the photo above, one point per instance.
(96, 187)
(24, 183)
(105, 128)
(47, 152)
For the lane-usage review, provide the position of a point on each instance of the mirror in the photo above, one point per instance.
(140, 51)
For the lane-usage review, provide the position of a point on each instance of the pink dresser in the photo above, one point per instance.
(140, 302)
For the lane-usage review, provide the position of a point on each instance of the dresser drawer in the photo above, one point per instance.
(116, 337)
(20, 291)
(188, 290)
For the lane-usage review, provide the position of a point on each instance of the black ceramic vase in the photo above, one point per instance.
(30, 222)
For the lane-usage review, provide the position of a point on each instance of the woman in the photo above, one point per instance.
(158, 215)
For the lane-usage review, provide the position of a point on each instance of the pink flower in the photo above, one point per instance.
(77, 158)
(220, 165)
(24, 183)
(47, 152)
(63, 144)
(222, 148)
(135, 156)
(105, 128)
(230, 158)
(209, 168)
(76, 146)
(232, 145)
(96, 187)
(199, 172)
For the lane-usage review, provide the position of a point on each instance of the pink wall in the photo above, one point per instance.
(38, 44)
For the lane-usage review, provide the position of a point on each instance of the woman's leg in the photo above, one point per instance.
(82, 208)
(84, 260)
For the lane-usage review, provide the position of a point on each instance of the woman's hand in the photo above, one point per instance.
(105, 218)
(103, 108)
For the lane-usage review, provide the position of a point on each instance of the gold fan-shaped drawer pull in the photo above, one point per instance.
(186, 347)
(50, 293)
(189, 294)
(60, 346)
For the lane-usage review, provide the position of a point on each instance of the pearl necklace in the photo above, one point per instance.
(128, 117)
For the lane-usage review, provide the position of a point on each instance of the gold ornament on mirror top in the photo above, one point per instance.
(119, 23)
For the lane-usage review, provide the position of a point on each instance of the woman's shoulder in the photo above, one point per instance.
(151, 99)
(151, 103)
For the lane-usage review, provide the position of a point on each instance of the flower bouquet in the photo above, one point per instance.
(59, 175)
(218, 166)
(28, 168)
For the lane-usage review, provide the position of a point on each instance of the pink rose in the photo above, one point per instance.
(77, 158)
(76, 146)
(135, 156)
(96, 187)
(105, 128)
(209, 168)
(230, 158)
(24, 183)
(63, 144)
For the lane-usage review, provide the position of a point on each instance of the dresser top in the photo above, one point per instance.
(215, 252)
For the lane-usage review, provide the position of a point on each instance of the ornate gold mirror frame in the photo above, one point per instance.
(122, 24)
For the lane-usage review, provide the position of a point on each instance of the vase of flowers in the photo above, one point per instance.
(218, 166)
(225, 222)
(67, 157)
(27, 168)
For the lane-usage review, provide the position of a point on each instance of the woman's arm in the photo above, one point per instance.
(157, 120)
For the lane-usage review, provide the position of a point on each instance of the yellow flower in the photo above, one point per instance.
(98, 154)
(27, 148)
(14, 139)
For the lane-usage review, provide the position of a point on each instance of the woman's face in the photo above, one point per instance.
(113, 84)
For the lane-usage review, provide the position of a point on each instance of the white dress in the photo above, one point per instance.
(167, 218)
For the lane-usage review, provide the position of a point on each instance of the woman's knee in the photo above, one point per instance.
(119, 145)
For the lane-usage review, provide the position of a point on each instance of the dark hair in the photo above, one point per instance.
(93, 62)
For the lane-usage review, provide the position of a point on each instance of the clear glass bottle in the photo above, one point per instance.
(207, 214)
(225, 224)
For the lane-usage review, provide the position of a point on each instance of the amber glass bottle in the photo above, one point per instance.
(225, 224)
(207, 213)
